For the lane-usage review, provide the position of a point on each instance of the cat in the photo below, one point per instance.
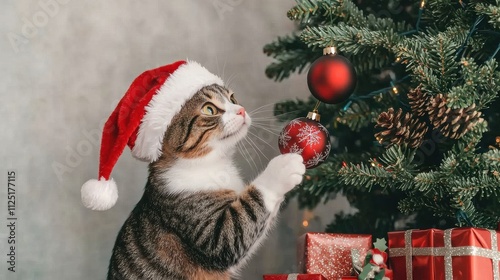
(197, 218)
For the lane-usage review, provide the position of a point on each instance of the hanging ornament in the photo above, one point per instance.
(307, 137)
(331, 78)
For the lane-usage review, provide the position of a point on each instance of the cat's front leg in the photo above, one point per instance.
(282, 174)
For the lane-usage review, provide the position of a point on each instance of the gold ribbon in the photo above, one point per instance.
(448, 252)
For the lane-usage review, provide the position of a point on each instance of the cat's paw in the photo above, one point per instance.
(282, 174)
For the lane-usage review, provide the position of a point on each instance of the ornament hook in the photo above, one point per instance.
(329, 51)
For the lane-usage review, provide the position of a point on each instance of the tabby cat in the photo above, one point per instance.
(197, 219)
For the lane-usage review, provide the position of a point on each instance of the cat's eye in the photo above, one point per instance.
(209, 109)
(233, 100)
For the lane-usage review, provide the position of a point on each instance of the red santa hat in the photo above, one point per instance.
(140, 120)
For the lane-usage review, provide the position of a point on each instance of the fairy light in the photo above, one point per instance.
(347, 105)
(422, 4)
(305, 223)
(394, 88)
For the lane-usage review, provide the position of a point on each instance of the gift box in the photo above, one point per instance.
(330, 254)
(460, 253)
(348, 278)
(294, 277)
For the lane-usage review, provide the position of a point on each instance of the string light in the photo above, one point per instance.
(374, 163)
(394, 88)
(422, 4)
(307, 216)
(347, 105)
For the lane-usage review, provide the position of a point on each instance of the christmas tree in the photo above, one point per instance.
(418, 141)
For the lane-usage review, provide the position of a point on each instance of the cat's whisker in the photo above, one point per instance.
(249, 157)
(275, 115)
(243, 154)
(268, 130)
(258, 156)
(217, 63)
(275, 128)
(266, 123)
(231, 79)
(224, 69)
(256, 136)
(256, 148)
(274, 132)
(261, 107)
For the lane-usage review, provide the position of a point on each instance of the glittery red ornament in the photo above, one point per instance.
(308, 138)
(332, 78)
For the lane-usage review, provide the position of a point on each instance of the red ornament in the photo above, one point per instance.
(308, 138)
(332, 78)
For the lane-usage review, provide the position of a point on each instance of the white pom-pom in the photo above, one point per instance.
(100, 194)
(378, 259)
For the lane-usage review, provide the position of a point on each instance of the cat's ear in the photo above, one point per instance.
(140, 121)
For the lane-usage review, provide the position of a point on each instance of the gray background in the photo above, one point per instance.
(62, 72)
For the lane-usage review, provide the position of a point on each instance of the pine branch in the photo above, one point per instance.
(396, 171)
(431, 59)
(349, 39)
(450, 60)
(290, 62)
(360, 114)
(287, 43)
(412, 204)
(492, 159)
(492, 11)
(305, 10)
(480, 85)
(483, 185)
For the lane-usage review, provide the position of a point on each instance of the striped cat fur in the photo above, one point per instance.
(197, 218)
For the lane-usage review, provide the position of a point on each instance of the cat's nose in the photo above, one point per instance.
(241, 112)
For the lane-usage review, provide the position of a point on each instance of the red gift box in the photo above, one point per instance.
(294, 277)
(330, 254)
(460, 253)
(348, 278)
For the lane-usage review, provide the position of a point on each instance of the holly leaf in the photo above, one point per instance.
(364, 274)
(380, 244)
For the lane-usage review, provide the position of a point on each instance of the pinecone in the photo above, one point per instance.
(419, 101)
(452, 123)
(399, 129)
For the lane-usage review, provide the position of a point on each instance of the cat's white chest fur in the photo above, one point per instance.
(204, 174)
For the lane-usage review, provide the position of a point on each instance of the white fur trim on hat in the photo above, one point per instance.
(100, 194)
(179, 87)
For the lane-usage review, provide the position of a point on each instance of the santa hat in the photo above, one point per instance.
(140, 120)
